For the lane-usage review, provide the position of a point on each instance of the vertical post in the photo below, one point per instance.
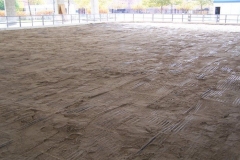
(203, 18)
(237, 18)
(79, 18)
(100, 17)
(107, 17)
(133, 17)
(153, 17)
(115, 17)
(20, 23)
(7, 21)
(62, 18)
(172, 17)
(94, 17)
(87, 18)
(71, 18)
(143, 17)
(189, 18)
(225, 19)
(124, 17)
(53, 19)
(32, 20)
(182, 17)
(42, 20)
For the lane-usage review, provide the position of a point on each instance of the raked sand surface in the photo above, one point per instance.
(120, 91)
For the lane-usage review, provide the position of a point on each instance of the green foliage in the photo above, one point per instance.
(18, 4)
(36, 2)
(156, 3)
(2, 5)
(203, 2)
(139, 6)
(176, 2)
(83, 3)
(103, 4)
(186, 5)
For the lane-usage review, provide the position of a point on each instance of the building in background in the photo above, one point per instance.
(226, 6)
(49, 7)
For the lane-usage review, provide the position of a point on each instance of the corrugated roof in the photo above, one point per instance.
(226, 1)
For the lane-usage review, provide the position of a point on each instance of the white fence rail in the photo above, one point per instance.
(49, 20)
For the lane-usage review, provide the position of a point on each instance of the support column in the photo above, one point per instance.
(10, 9)
(94, 7)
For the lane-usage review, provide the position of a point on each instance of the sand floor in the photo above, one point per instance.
(120, 91)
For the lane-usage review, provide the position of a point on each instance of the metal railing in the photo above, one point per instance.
(50, 20)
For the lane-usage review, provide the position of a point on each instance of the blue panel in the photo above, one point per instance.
(226, 1)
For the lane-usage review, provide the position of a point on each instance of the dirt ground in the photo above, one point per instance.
(120, 91)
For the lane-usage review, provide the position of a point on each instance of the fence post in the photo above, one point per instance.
(225, 19)
(237, 18)
(172, 17)
(43, 20)
(100, 17)
(115, 17)
(153, 17)
(133, 17)
(62, 18)
(7, 21)
(143, 17)
(189, 18)
(107, 17)
(87, 18)
(32, 20)
(79, 18)
(53, 19)
(182, 17)
(203, 18)
(20, 23)
(94, 18)
(71, 19)
(124, 17)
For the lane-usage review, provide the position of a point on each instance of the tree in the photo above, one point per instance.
(36, 2)
(139, 7)
(82, 3)
(19, 5)
(32, 2)
(156, 3)
(103, 4)
(2, 5)
(203, 3)
(186, 5)
(175, 2)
